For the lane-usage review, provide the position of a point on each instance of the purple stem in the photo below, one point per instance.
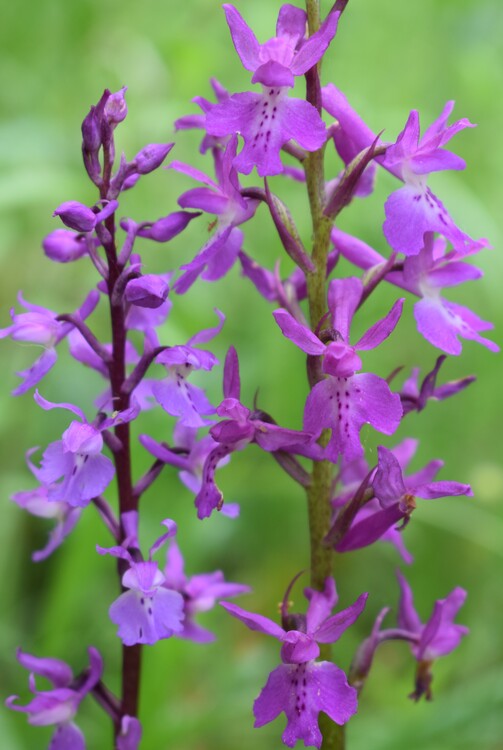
(148, 478)
(131, 655)
(108, 516)
(89, 336)
(141, 368)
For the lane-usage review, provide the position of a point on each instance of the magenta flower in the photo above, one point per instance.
(76, 459)
(413, 209)
(344, 401)
(222, 198)
(437, 637)
(414, 397)
(59, 705)
(240, 428)
(397, 495)
(268, 120)
(439, 320)
(40, 326)
(148, 611)
(302, 687)
(177, 397)
(350, 478)
(189, 457)
(200, 593)
(198, 121)
(37, 503)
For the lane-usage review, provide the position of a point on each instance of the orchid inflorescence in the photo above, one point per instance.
(353, 501)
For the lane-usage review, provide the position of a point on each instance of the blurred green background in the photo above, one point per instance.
(388, 57)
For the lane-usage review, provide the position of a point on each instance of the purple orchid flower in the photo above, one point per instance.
(183, 400)
(189, 457)
(37, 503)
(344, 401)
(440, 321)
(396, 496)
(76, 459)
(349, 480)
(239, 428)
(268, 120)
(148, 611)
(302, 687)
(59, 705)
(222, 198)
(200, 593)
(189, 122)
(413, 209)
(40, 326)
(437, 637)
(415, 397)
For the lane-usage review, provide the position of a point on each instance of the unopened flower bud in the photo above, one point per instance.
(63, 246)
(115, 110)
(168, 227)
(151, 157)
(147, 291)
(91, 132)
(76, 216)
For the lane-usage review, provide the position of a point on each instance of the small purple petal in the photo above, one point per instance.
(54, 670)
(255, 622)
(301, 336)
(67, 737)
(332, 628)
(244, 39)
(130, 734)
(232, 383)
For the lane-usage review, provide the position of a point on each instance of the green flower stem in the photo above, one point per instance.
(318, 493)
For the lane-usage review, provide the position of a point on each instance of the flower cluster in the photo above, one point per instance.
(354, 500)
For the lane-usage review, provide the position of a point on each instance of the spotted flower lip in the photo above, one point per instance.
(344, 401)
(267, 121)
(414, 209)
(148, 611)
(177, 397)
(301, 687)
